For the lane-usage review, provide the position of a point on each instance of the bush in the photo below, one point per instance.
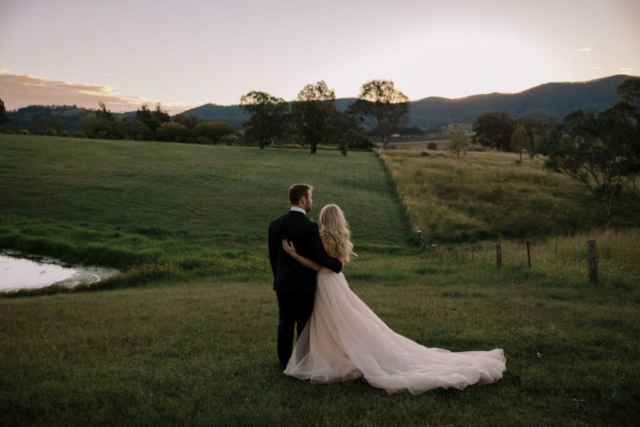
(78, 134)
(64, 134)
(357, 140)
(203, 140)
(212, 130)
(432, 146)
(51, 132)
(24, 132)
(172, 132)
(8, 132)
(229, 139)
(102, 135)
(425, 154)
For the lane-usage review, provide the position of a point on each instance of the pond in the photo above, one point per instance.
(20, 271)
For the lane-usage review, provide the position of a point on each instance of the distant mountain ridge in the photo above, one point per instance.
(555, 99)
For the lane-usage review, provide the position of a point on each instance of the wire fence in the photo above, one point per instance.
(598, 262)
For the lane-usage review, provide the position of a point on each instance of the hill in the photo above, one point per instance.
(554, 99)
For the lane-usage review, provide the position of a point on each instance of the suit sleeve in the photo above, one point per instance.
(318, 254)
(273, 250)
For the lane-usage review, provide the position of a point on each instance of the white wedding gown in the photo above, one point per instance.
(344, 340)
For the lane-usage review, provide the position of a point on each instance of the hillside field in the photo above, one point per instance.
(187, 335)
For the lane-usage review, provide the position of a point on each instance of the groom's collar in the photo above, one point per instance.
(297, 209)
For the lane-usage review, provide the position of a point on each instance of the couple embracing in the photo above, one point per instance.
(338, 336)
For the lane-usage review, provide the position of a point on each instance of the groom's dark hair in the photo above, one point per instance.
(298, 191)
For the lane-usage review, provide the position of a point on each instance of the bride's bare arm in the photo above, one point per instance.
(291, 250)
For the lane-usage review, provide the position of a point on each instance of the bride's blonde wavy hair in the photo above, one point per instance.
(335, 230)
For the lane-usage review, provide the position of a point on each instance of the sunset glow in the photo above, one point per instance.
(195, 52)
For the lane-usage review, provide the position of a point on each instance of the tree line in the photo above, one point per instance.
(312, 119)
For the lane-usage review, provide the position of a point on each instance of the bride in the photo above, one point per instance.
(345, 340)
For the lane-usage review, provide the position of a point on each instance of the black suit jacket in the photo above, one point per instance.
(289, 274)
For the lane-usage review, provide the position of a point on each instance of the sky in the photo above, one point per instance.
(191, 52)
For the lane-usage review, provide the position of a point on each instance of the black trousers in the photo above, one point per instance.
(295, 308)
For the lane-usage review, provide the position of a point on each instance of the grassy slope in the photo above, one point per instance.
(202, 352)
(486, 195)
(165, 209)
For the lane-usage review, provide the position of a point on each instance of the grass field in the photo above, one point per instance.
(196, 344)
(174, 210)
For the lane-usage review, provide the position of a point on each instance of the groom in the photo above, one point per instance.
(295, 285)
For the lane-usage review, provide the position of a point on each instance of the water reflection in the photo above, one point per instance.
(18, 271)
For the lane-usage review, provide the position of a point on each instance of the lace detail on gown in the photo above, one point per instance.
(345, 340)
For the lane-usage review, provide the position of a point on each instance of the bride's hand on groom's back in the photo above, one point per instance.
(288, 247)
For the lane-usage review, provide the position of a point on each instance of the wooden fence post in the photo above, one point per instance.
(593, 261)
(528, 255)
(498, 255)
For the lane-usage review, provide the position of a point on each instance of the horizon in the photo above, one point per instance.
(196, 53)
(238, 104)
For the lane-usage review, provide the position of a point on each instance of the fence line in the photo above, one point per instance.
(594, 261)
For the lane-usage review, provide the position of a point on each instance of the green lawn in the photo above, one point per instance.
(175, 210)
(195, 345)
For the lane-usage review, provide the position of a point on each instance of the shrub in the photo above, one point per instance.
(229, 139)
(432, 146)
(172, 132)
(357, 140)
(51, 132)
(24, 132)
(203, 140)
(425, 154)
(64, 134)
(212, 130)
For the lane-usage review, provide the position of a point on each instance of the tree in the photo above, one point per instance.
(353, 139)
(96, 127)
(629, 89)
(133, 130)
(160, 114)
(311, 111)
(103, 113)
(3, 113)
(598, 151)
(627, 109)
(214, 131)
(172, 132)
(189, 120)
(494, 130)
(382, 107)
(520, 141)
(46, 124)
(269, 117)
(537, 127)
(340, 124)
(146, 116)
(459, 141)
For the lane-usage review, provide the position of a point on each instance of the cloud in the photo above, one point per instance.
(597, 68)
(626, 69)
(19, 91)
(584, 49)
(100, 73)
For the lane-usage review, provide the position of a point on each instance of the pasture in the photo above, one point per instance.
(187, 336)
